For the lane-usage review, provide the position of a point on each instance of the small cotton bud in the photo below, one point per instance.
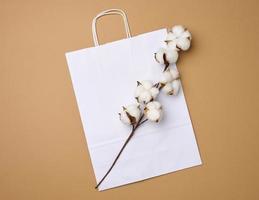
(130, 114)
(153, 111)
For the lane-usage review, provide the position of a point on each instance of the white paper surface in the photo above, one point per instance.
(104, 79)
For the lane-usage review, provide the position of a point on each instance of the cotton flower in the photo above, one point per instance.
(153, 111)
(179, 38)
(166, 56)
(170, 82)
(145, 92)
(130, 114)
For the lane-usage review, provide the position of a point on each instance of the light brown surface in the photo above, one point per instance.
(43, 152)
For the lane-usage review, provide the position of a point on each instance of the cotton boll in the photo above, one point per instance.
(146, 92)
(168, 55)
(153, 115)
(141, 93)
(159, 56)
(176, 86)
(153, 111)
(130, 114)
(171, 55)
(179, 38)
(169, 83)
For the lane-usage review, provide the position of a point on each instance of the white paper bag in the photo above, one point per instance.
(104, 79)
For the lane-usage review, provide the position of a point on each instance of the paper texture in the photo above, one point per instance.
(104, 79)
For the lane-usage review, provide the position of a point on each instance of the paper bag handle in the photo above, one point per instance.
(110, 12)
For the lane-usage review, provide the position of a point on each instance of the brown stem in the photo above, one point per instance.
(123, 147)
(140, 122)
(143, 122)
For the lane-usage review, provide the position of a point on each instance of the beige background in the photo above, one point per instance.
(43, 152)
